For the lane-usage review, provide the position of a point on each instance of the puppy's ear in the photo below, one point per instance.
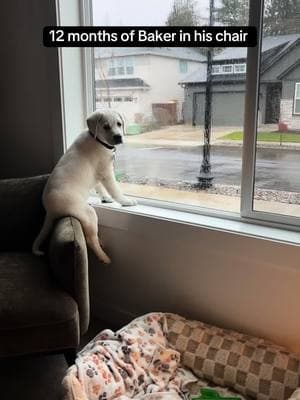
(92, 121)
(123, 122)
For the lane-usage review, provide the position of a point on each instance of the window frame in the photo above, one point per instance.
(296, 99)
(247, 213)
(256, 9)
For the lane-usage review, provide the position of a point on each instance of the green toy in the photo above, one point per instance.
(210, 394)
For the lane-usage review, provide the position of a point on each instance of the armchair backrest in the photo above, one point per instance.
(21, 212)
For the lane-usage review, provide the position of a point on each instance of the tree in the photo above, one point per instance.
(282, 17)
(233, 12)
(183, 13)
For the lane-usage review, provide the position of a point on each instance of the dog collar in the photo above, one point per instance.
(108, 146)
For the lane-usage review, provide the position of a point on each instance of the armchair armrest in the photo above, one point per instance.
(69, 264)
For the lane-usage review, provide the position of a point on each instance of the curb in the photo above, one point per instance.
(263, 145)
(229, 144)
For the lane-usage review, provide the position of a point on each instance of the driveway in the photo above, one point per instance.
(178, 135)
(192, 136)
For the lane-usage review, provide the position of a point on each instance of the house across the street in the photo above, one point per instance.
(143, 82)
(279, 93)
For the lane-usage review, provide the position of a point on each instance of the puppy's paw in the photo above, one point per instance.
(126, 202)
(106, 260)
(106, 199)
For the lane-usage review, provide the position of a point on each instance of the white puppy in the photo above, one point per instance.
(88, 164)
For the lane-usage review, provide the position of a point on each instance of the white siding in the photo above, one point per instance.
(162, 74)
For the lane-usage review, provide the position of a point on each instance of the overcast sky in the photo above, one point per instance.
(136, 12)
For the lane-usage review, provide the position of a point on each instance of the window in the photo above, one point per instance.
(120, 66)
(129, 66)
(239, 68)
(253, 157)
(216, 69)
(273, 190)
(297, 98)
(183, 66)
(112, 69)
(128, 99)
(227, 69)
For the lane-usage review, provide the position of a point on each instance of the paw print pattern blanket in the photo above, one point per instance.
(134, 362)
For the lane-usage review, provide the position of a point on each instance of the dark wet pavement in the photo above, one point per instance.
(277, 169)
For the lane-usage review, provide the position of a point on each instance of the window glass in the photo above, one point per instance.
(216, 69)
(239, 68)
(227, 69)
(162, 94)
(297, 98)
(183, 66)
(277, 174)
(297, 90)
(128, 98)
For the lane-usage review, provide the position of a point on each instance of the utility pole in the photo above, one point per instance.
(205, 177)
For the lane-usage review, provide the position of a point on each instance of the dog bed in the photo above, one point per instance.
(164, 356)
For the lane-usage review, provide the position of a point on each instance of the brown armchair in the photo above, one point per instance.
(44, 301)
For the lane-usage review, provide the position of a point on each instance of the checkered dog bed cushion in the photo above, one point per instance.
(254, 367)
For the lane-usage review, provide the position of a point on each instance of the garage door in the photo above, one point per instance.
(227, 109)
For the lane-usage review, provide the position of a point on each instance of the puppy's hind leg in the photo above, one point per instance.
(89, 223)
(46, 228)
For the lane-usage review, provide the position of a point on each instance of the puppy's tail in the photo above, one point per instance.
(46, 228)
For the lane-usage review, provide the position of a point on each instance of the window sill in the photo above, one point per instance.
(234, 226)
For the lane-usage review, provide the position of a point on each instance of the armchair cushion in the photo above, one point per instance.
(35, 315)
(21, 212)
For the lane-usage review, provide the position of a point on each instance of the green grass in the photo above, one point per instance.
(266, 137)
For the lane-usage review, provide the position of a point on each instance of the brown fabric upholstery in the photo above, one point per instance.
(35, 315)
(252, 366)
(44, 301)
(21, 212)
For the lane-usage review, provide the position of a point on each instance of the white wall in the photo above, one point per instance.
(219, 277)
(231, 280)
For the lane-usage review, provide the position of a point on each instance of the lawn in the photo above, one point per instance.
(266, 137)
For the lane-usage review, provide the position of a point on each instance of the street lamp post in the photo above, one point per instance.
(205, 177)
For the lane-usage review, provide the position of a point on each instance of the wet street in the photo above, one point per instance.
(277, 169)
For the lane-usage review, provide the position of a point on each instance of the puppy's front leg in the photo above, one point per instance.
(102, 193)
(111, 185)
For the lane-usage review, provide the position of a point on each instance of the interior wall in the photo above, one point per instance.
(30, 123)
(230, 280)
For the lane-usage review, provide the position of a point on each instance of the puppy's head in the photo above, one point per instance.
(108, 126)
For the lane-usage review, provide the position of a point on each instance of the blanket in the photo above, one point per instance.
(134, 362)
